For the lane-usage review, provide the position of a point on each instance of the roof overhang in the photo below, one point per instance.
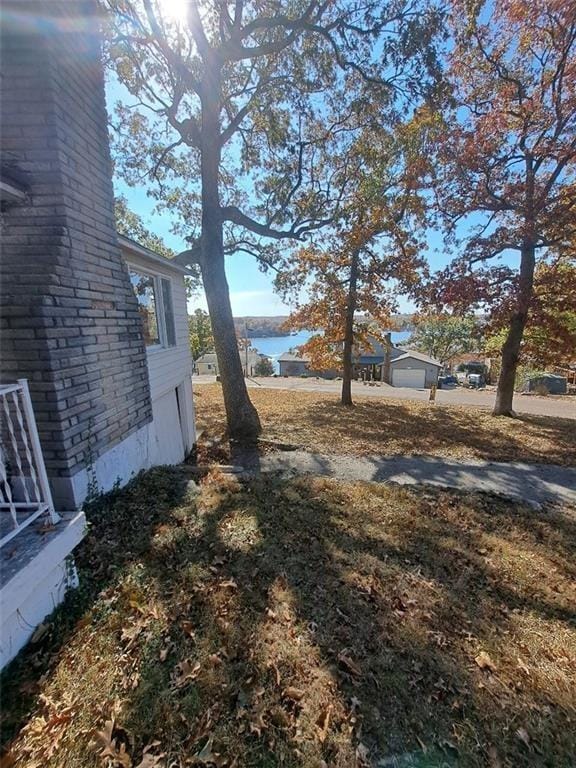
(132, 247)
(408, 356)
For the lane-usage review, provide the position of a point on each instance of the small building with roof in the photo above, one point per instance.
(293, 364)
(413, 369)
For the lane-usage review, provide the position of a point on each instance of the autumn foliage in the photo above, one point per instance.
(505, 163)
(351, 279)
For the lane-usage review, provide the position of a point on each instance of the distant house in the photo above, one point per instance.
(396, 366)
(293, 364)
(367, 362)
(250, 360)
(207, 364)
(404, 368)
(296, 364)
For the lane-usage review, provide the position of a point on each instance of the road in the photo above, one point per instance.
(530, 404)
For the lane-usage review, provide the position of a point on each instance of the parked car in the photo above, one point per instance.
(476, 380)
(447, 381)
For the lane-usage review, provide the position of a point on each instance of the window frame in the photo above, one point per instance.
(159, 304)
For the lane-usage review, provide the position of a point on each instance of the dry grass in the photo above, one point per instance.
(316, 421)
(306, 623)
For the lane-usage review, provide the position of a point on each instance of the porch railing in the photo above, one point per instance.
(24, 491)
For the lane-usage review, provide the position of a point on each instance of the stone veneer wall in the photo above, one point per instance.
(69, 318)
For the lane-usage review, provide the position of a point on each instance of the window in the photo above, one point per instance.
(156, 308)
(168, 313)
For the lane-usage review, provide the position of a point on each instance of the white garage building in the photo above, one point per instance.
(414, 370)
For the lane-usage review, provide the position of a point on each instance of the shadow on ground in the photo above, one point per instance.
(532, 483)
(318, 422)
(308, 623)
(394, 428)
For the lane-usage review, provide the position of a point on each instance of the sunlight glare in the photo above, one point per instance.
(174, 10)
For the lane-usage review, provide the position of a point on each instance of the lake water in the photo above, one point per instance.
(274, 346)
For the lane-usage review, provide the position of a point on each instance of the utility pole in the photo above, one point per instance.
(246, 342)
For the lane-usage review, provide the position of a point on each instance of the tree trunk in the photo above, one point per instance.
(387, 358)
(349, 332)
(511, 348)
(242, 417)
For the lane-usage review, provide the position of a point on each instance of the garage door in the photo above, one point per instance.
(409, 377)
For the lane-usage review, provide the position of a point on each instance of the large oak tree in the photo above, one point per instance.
(232, 118)
(445, 336)
(506, 159)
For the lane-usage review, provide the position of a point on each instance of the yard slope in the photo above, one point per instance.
(303, 624)
(317, 422)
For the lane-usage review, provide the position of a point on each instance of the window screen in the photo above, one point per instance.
(145, 291)
(168, 313)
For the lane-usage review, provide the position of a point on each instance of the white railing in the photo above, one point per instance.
(24, 490)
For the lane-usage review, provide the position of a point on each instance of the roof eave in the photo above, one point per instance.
(132, 246)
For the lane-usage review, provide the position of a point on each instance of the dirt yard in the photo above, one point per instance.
(304, 624)
(316, 421)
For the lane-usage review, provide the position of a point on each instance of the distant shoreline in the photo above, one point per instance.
(270, 327)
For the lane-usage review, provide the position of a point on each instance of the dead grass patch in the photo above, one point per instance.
(317, 422)
(305, 623)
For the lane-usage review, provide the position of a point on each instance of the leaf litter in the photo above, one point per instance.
(363, 623)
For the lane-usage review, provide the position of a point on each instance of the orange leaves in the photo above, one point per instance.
(114, 746)
(484, 661)
(44, 733)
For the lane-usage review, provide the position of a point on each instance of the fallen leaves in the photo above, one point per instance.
(323, 722)
(228, 584)
(484, 661)
(44, 733)
(524, 736)
(349, 665)
(296, 694)
(111, 746)
(293, 651)
(184, 673)
(114, 746)
(387, 427)
(206, 756)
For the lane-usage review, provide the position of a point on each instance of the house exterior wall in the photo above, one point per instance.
(292, 368)
(70, 321)
(410, 363)
(207, 369)
(170, 372)
(167, 366)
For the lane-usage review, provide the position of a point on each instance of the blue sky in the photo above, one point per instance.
(251, 291)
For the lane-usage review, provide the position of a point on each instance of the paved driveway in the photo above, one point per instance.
(534, 483)
(542, 406)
